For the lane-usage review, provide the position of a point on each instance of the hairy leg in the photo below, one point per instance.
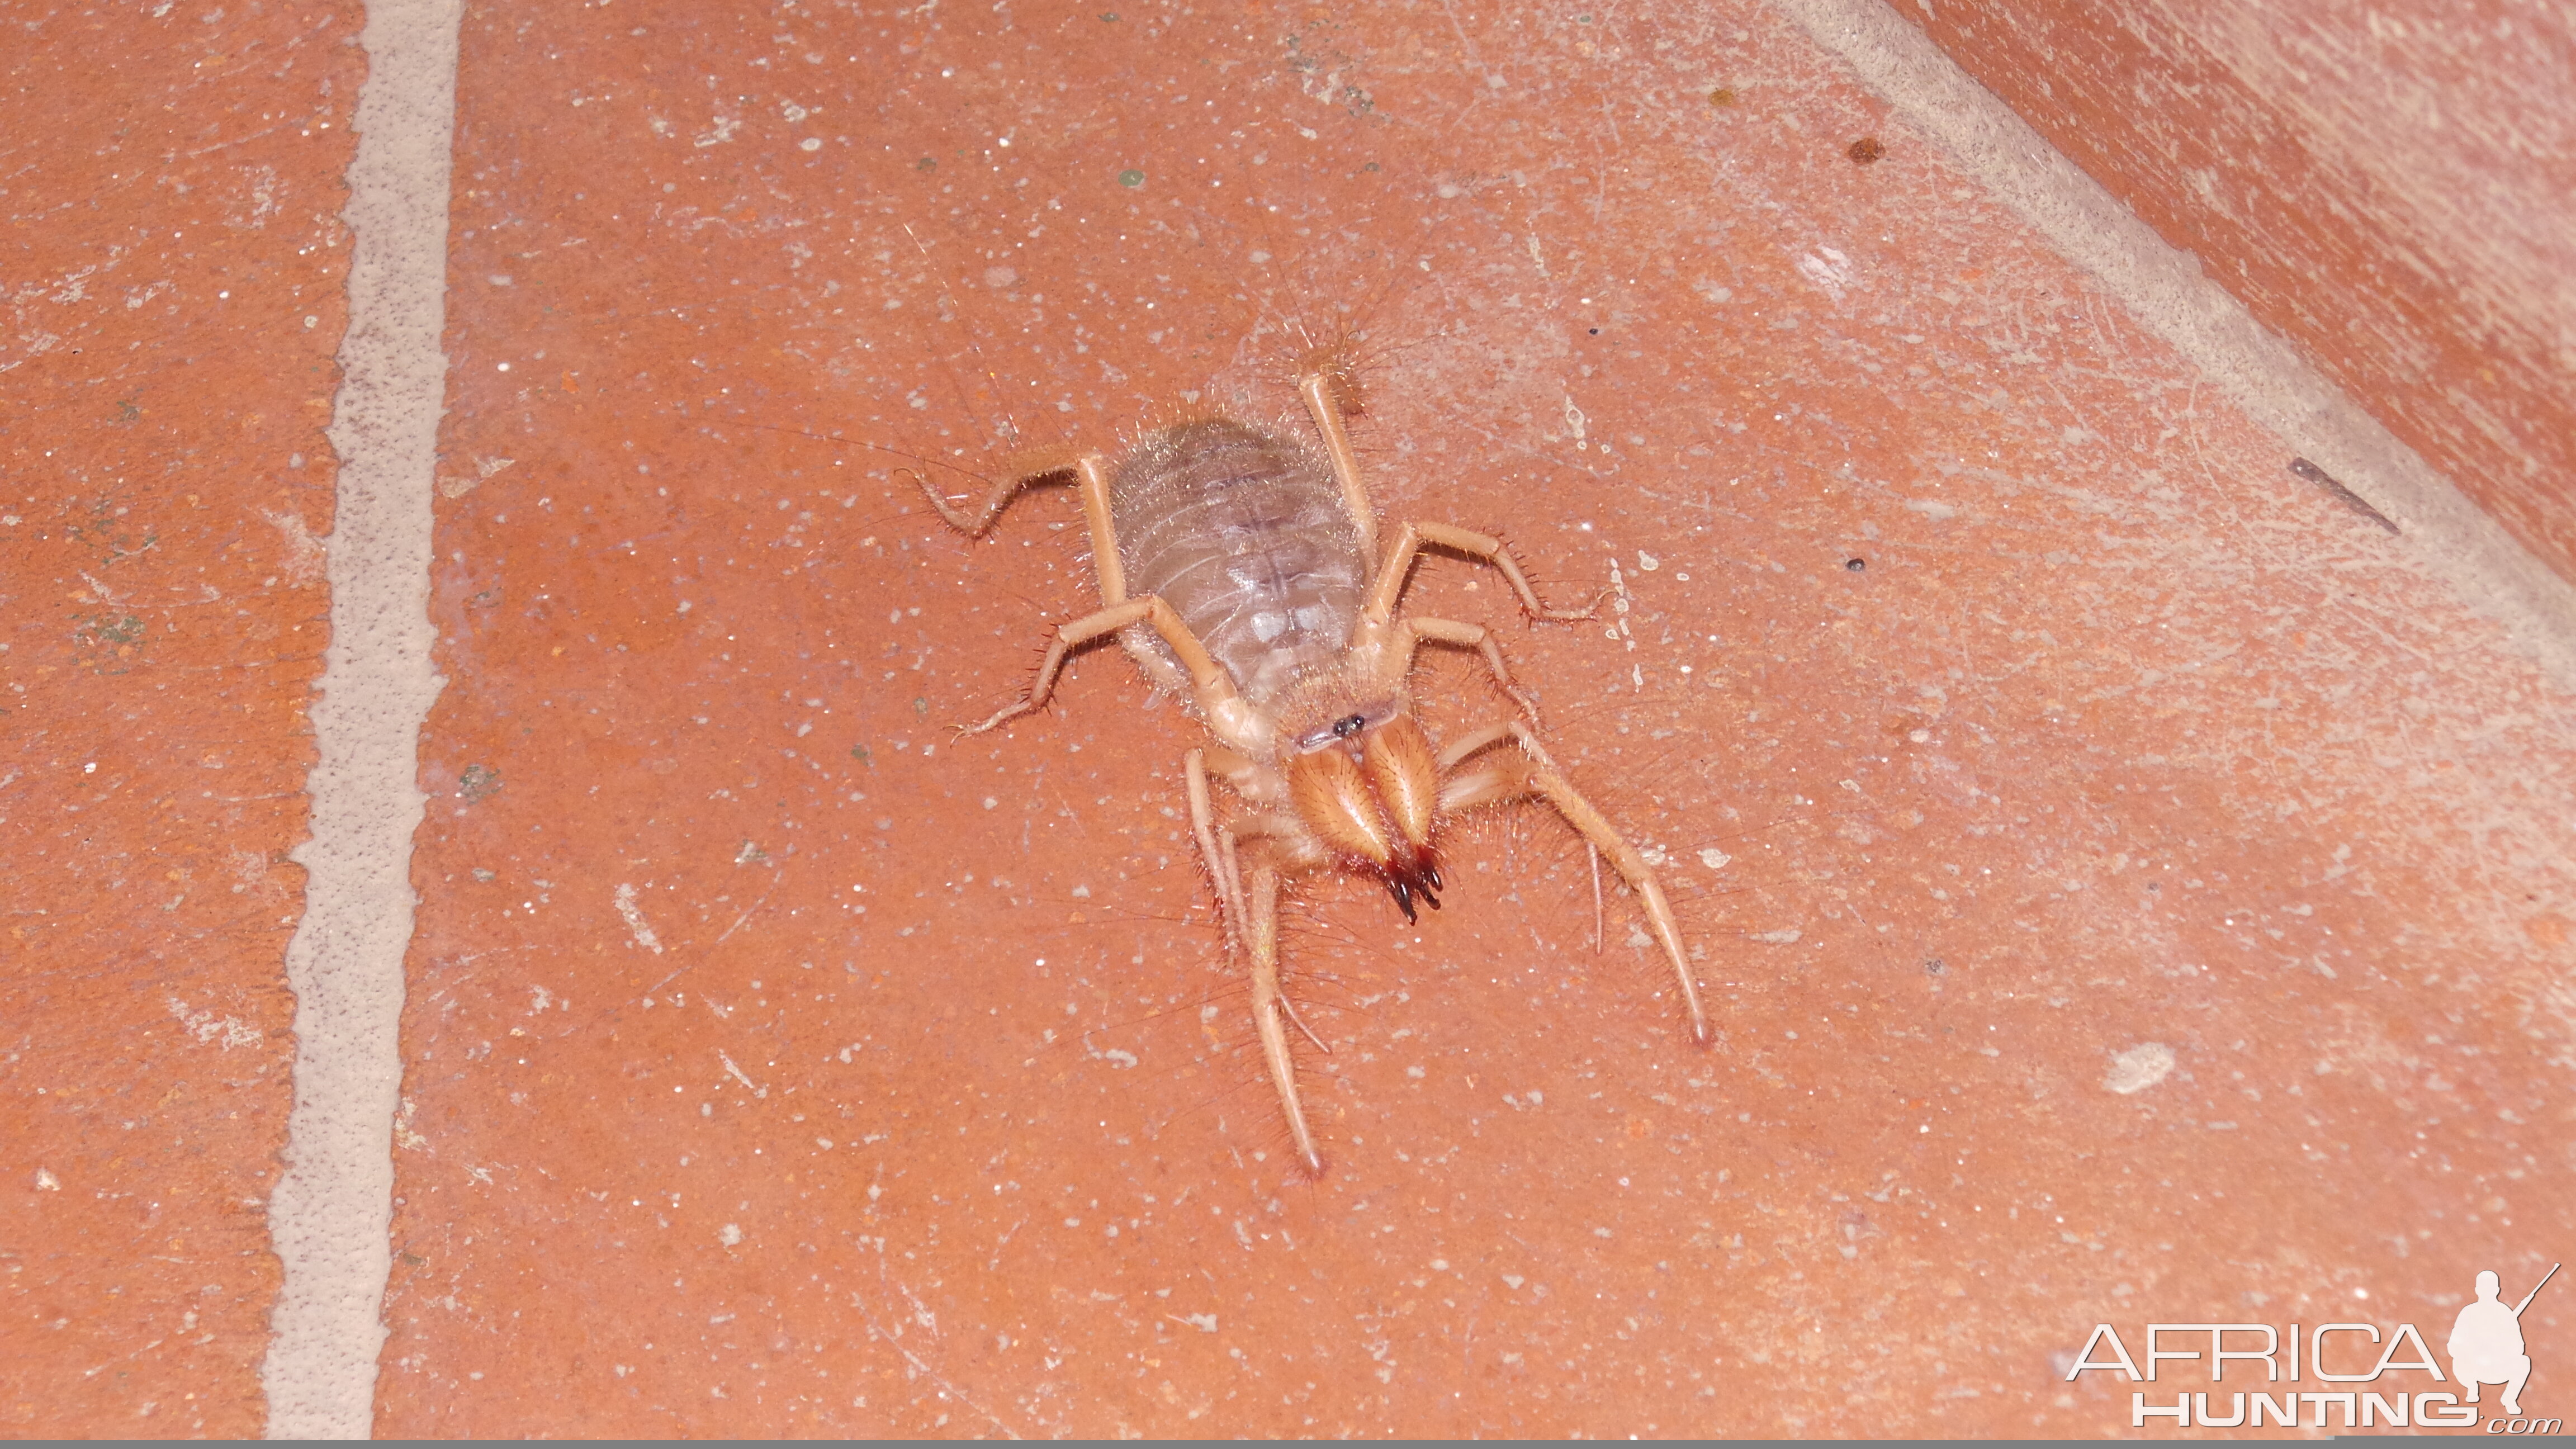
(1530, 771)
(1464, 636)
(1220, 862)
(1216, 693)
(1483, 547)
(1091, 479)
(1326, 409)
(1270, 1015)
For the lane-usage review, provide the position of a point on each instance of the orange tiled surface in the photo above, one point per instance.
(2393, 189)
(170, 297)
(779, 1064)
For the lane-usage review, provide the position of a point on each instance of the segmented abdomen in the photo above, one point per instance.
(1243, 533)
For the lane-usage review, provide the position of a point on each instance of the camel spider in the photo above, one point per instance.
(1242, 571)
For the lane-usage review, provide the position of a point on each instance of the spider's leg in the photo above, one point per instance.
(1270, 1014)
(1532, 772)
(1215, 688)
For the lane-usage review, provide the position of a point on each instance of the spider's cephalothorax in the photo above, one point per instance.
(1241, 568)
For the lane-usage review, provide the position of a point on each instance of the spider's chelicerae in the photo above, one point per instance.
(1244, 572)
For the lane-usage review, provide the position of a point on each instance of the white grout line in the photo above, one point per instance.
(2165, 290)
(330, 1214)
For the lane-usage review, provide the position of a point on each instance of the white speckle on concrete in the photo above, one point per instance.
(2140, 1067)
(301, 560)
(206, 1026)
(633, 916)
(757, 1089)
(1829, 269)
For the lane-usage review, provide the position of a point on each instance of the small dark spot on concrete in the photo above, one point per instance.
(1856, 565)
(921, 707)
(477, 782)
(860, 754)
(926, 163)
(1933, 967)
(1865, 150)
(1131, 177)
(1722, 96)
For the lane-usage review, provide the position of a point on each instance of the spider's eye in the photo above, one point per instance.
(1349, 725)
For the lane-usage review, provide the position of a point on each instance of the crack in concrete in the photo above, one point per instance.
(332, 1210)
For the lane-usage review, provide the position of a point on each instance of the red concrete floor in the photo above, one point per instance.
(2138, 892)
(170, 299)
(2010, 721)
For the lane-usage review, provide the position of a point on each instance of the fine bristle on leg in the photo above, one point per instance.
(1592, 853)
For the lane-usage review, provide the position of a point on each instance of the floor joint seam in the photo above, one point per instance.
(331, 1211)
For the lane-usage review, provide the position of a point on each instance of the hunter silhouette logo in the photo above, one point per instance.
(2486, 1341)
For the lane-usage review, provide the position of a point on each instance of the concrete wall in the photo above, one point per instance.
(2392, 188)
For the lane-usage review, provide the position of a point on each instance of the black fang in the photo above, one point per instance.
(1421, 880)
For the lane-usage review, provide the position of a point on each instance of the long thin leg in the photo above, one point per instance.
(1232, 875)
(1317, 389)
(1465, 636)
(1465, 745)
(1537, 774)
(1091, 479)
(1218, 847)
(1220, 863)
(1215, 690)
(1409, 541)
(1091, 476)
(1549, 781)
(1269, 1013)
(973, 521)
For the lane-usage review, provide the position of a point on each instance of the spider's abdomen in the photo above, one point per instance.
(1244, 534)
